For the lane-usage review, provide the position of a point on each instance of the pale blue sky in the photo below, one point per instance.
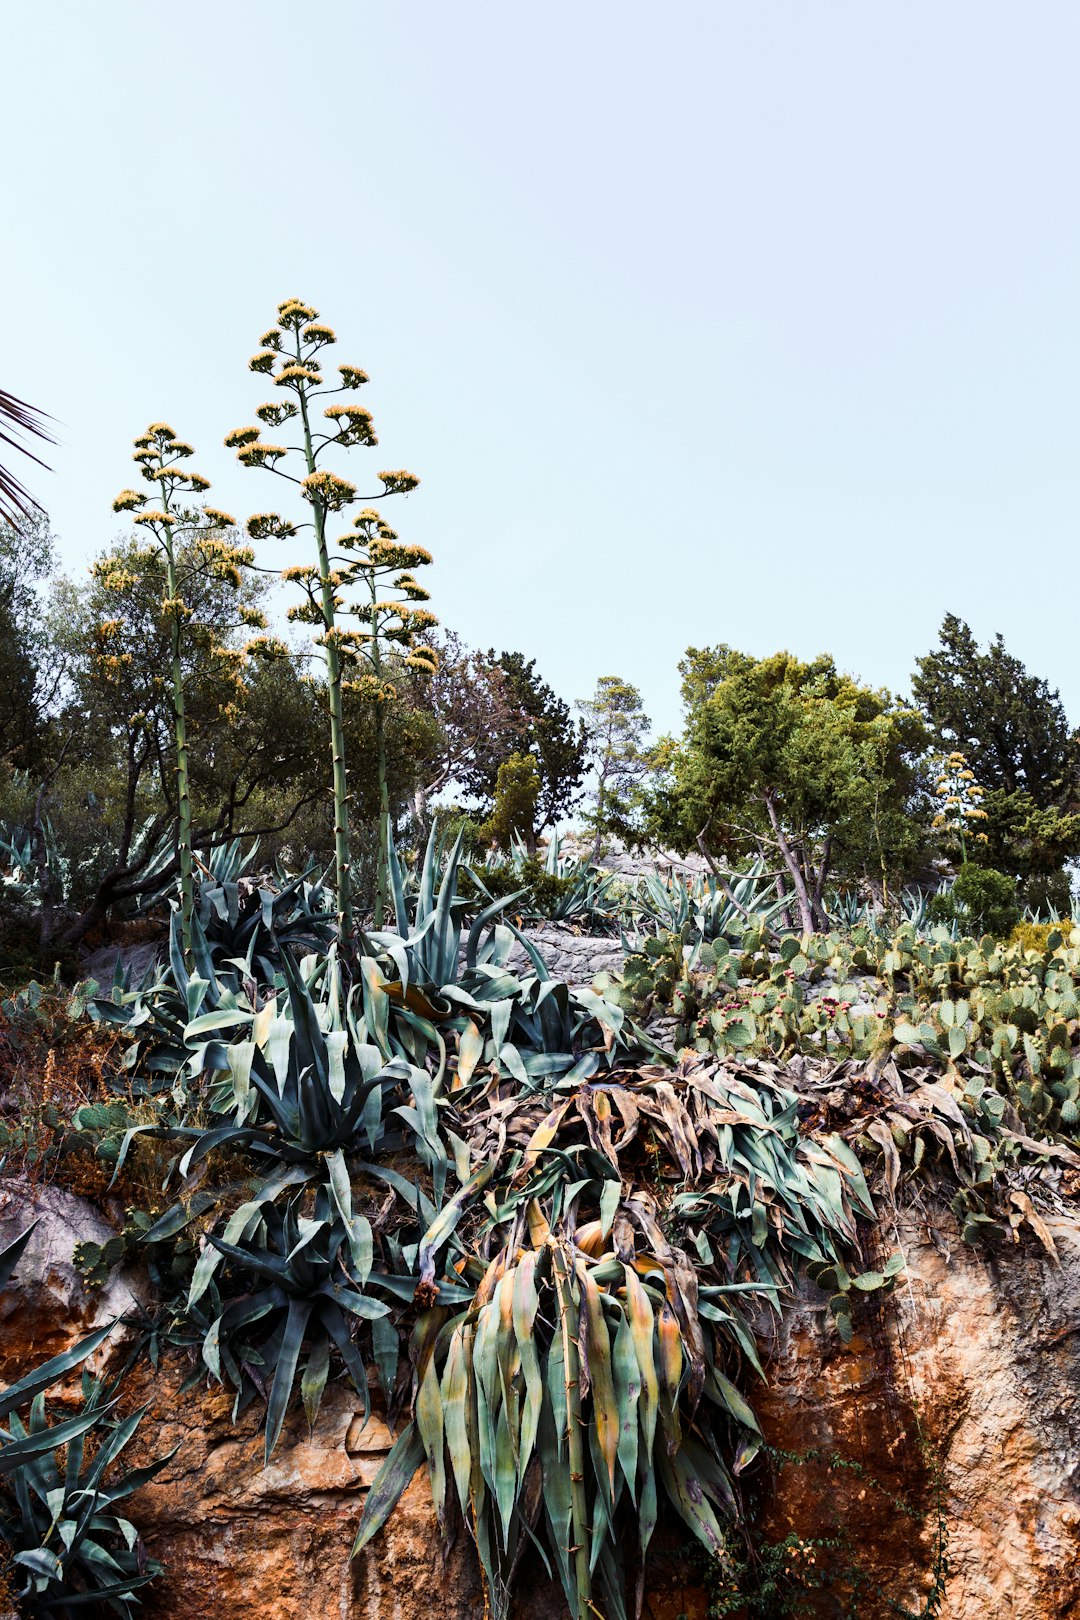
(706, 322)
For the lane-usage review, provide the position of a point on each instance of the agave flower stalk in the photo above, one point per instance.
(291, 356)
(961, 801)
(393, 623)
(190, 541)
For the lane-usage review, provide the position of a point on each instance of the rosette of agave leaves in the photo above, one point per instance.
(594, 1373)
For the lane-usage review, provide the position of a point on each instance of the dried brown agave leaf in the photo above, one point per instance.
(881, 1134)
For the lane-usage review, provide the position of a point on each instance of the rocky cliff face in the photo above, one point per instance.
(979, 1356)
(47, 1307)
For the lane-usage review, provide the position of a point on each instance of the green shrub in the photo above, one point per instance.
(1036, 936)
(516, 793)
(545, 889)
(449, 821)
(983, 900)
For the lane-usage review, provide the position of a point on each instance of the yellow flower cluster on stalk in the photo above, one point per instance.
(186, 543)
(290, 356)
(959, 800)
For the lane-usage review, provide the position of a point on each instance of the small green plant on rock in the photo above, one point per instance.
(68, 1545)
(779, 1579)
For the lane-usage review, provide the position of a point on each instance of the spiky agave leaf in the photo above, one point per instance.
(59, 1522)
(299, 1285)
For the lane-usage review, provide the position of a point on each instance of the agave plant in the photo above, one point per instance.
(305, 1081)
(62, 1527)
(249, 926)
(17, 853)
(156, 1014)
(593, 1374)
(581, 894)
(300, 1279)
(499, 1022)
(591, 895)
(701, 906)
(427, 994)
(317, 1271)
(312, 1078)
(428, 916)
(847, 909)
(915, 908)
(557, 1409)
(223, 863)
(239, 936)
(245, 923)
(57, 1512)
(533, 1030)
(24, 859)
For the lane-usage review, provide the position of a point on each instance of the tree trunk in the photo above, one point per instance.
(783, 893)
(819, 885)
(798, 880)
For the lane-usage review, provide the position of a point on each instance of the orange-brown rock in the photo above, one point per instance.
(958, 1392)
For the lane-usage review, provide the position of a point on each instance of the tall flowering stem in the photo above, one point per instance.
(393, 623)
(191, 541)
(960, 800)
(291, 356)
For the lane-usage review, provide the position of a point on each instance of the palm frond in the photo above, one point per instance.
(17, 420)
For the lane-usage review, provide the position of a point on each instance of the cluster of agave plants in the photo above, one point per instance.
(594, 900)
(60, 1485)
(572, 891)
(547, 1240)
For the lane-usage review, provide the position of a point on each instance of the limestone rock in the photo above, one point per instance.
(47, 1306)
(630, 864)
(135, 960)
(240, 1540)
(576, 958)
(958, 1394)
